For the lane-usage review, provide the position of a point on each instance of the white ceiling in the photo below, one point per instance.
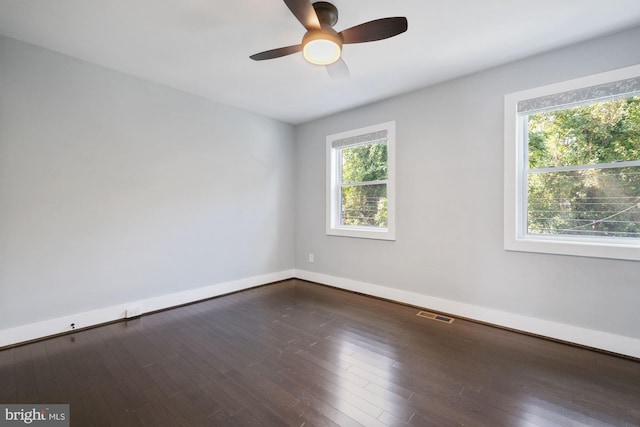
(203, 46)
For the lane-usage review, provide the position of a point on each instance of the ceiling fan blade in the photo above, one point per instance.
(276, 53)
(375, 30)
(338, 70)
(305, 13)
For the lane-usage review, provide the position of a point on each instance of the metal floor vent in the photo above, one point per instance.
(434, 316)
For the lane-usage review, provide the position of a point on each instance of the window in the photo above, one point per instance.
(572, 167)
(360, 183)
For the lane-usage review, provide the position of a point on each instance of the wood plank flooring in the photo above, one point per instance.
(300, 354)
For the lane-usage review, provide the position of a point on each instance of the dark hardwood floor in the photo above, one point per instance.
(300, 354)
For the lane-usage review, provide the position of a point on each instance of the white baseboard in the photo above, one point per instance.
(108, 314)
(587, 337)
(582, 336)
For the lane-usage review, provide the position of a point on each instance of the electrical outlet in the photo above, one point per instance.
(311, 257)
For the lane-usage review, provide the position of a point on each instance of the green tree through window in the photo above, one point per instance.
(575, 186)
(364, 188)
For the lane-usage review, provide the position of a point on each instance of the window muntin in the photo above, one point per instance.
(572, 167)
(360, 182)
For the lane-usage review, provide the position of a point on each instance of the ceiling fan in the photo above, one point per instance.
(321, 44)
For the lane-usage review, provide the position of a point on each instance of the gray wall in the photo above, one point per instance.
(113, 189)
(450, 201)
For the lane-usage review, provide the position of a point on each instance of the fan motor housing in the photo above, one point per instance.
(326, 33)
(327, 13)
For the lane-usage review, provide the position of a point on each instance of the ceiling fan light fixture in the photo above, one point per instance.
(321, 47)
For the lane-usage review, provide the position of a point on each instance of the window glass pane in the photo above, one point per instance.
(364, 205)
(364, 163)
(592, 202)
(601, 132)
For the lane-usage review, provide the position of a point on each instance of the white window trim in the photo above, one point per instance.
(332, 209)
(515, 238)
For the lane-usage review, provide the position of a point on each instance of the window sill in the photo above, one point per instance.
(362, 233)
(575, 247)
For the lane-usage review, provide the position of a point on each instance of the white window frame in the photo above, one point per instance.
(516, 237)
(333, 185)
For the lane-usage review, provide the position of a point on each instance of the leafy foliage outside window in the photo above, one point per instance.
(364, 185)
(581, 178)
